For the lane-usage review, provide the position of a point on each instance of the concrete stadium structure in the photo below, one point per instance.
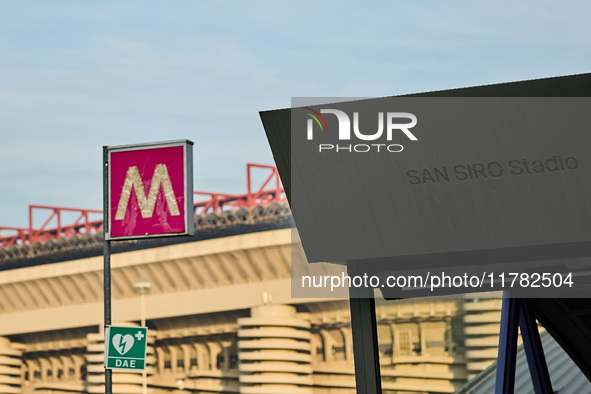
(221, 318)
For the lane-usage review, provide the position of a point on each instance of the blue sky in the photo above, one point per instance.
(75, 75)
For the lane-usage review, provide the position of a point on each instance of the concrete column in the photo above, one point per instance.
(45, 367)
(422, 338)
(33, 367)
(348, 335)
(226, 350)
(186, 352)
(55, 365)
(67, 363)
(274, 351)
(328, 342)
(161, 357)
(203, 359)
(124, 382)
(174, 357)
(10, 367)
(78, 363)
(214, 350)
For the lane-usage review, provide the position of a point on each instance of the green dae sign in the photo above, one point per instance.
(125, 347)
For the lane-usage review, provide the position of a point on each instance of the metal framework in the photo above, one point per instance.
(270, 191)
(57, 225)
(517, 312)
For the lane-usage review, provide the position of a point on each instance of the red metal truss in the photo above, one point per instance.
(55, 225)
(18, 236)
(270, 191)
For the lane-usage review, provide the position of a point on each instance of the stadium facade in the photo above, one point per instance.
(221, 318)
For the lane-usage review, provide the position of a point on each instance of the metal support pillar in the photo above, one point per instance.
(365, 341)
(516, 313)
(107, 262)
(534, 352)
(505, 382)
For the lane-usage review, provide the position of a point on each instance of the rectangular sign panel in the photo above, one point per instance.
(125, 347)
(400, 176)
(150, 190)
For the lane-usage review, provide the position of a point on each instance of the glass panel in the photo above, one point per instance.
(436, 345)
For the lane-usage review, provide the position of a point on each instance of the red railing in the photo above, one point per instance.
(217, 202)
(83, 223)
(54, 226)
(20, 236)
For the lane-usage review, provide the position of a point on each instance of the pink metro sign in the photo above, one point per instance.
(150, 190)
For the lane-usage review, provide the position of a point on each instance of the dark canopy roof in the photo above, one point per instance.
(567, 319)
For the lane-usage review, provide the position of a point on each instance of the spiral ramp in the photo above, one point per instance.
(274, 352)
(10, 368)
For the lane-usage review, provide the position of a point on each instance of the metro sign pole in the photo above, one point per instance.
(107, 260)
(147, 192)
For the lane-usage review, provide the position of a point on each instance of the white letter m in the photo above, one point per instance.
(133, 179)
